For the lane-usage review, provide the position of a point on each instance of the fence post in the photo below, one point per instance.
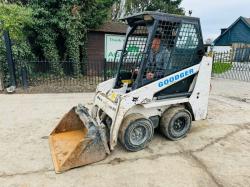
(1, 81)
(24, 76)
(105, 69)
(9, 55)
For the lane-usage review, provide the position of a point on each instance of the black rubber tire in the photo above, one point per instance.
(175, 123)
(135, 132)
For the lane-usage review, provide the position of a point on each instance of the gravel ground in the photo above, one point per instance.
(215, 153)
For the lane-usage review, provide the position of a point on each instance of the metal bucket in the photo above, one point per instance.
(77, 140)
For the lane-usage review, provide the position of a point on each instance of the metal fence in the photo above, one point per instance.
(233, 64)
(71, 76)
(63, 76)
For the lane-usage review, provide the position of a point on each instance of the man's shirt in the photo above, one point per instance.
(158, 61)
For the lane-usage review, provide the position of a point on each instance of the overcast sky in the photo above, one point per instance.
(217, 14)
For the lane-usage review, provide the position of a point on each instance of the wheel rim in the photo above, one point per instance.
(138, 134)
(179, 124)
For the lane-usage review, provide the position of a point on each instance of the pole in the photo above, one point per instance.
(24, 76)
(9, 55)
(105, 69)
(1, 81)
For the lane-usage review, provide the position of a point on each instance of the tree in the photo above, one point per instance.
(14, 18)
(168, 6)
(15, 1)
(60, 28)
(134, 6)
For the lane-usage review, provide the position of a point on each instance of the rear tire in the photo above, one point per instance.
(136, 132)
(175, 123)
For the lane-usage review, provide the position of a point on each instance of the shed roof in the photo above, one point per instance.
(247, 20)
(112, 27)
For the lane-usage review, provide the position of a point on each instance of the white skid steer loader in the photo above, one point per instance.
(162, 81)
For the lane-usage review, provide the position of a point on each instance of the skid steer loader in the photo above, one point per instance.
(162, 81)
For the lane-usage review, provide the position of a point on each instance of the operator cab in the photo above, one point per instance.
(157, 45)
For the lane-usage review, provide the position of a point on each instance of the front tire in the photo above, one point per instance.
(175, 123)
(136, 132)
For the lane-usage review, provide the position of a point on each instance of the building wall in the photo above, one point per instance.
(96, 51)
(240, 33)
(240, 45)
(95, 45)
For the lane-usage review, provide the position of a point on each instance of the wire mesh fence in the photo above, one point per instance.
(67, 76)
(233, 64)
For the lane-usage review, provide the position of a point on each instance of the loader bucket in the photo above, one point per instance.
(77, 140)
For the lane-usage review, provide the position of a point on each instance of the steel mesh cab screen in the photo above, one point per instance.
(135, 48)
(173, 48)
(160, 51)
(185, 52)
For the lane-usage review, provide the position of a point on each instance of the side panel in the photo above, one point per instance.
(199, 97)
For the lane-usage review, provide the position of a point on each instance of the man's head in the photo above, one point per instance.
(156, 44)
(149, 75)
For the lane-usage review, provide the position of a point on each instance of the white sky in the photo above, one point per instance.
(216, 14)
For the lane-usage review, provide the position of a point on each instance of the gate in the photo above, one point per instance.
(233, 64)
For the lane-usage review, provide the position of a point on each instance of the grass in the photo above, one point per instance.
(221, 67)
